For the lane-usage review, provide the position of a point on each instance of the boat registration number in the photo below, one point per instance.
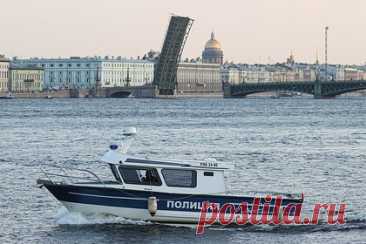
(209, 164)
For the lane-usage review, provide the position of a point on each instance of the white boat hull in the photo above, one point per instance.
(161, 216)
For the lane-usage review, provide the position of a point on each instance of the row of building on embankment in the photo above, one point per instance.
(290, 71)
(35, 75)
(194, 77)
(201, 76)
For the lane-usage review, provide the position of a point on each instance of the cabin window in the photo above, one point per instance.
(180, 178)
(208, 173)
(140, 175)
(115, 173)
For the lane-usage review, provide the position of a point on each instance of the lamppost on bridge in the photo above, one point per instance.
(317, 84)
(326, 52)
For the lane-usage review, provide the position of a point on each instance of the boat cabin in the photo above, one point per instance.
(205, 177)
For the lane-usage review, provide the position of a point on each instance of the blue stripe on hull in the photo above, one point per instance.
(138, 199)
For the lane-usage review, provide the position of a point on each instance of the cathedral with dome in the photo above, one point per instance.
(213, 53)
(196, 78)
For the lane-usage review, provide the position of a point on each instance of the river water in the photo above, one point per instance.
(317, 147)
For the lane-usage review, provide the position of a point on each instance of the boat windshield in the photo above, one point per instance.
(115, 173)
(140, 175)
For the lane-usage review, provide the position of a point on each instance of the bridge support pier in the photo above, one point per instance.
(227, 90)
(317, 89)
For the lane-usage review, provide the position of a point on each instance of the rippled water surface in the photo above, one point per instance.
(297, 145)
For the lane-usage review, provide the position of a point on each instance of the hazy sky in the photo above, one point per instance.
(249, 30)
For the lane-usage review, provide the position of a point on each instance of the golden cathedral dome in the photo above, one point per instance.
(213, 43)
(213, 53)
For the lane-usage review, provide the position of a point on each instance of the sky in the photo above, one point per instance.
(250, 31)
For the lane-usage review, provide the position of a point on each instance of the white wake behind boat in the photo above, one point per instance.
(162, 191)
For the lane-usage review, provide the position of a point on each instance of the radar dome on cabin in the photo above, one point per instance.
(213, 53)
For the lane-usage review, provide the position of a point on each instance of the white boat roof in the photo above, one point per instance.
(114, 157)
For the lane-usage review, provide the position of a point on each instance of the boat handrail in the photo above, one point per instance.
(273, 193)
(67, 176)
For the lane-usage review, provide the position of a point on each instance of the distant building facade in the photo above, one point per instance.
(341, 73)
(353, 74)
(4, 73)
(230, 74)
(26, 79)
(213, 53)
(90, 72)
(237, 74)
(198, 79)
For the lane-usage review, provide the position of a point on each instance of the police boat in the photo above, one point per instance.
(160, 191)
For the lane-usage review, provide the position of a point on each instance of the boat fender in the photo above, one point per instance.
(152, 205)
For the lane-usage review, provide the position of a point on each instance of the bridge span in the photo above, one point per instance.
(147, 91)
(319, 89)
